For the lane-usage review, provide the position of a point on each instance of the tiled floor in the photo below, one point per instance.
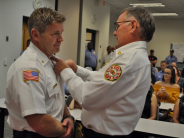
(8, 132)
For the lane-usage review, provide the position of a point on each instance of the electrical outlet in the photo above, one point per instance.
(7, 38)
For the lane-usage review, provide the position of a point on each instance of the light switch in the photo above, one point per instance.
(5, 61)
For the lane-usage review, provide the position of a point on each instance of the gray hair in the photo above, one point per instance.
(145, 19)
(41, 18)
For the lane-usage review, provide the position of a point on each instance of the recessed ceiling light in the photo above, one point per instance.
(148, 5)
(164, 14)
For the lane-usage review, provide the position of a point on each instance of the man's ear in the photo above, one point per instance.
(35, 34)
(134, 25)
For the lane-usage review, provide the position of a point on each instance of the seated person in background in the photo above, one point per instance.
(153, 80)
(108, 56)
(150, 107)
(159, 74)
(171, 58)
(183, 69)
(66, 90)
(179, 80)
(153, 69)
(167, 90)
(152, 58)
(74, 105)
(173, 64)
(178, 115)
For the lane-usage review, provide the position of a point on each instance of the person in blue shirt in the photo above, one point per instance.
(90, 57)
(154, 70)
(66, 90)
(159, 74)
(171, 58)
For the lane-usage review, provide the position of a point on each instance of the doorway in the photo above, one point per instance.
(25, 33)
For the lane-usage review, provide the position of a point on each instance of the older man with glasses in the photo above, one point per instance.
(113, 97)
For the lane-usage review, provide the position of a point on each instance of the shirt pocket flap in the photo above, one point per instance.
(53, 89)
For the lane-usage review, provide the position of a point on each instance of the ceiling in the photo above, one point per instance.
(171, 6)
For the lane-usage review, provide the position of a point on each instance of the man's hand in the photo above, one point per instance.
(68, 122)
(60, 65)
(72, 65)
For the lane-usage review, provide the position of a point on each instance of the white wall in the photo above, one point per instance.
(167, 31)
(91, 7)
(11, 19)
(112, 39)
(70, 8)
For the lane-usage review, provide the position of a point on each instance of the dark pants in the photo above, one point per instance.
(88, 133)
(27, 134)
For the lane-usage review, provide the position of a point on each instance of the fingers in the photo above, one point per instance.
(65, 122)
(54, 58)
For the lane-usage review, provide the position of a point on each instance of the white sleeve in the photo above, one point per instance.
(29, 94)
(99, 92)
(84, 73)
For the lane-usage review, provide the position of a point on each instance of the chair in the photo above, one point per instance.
(68, 100)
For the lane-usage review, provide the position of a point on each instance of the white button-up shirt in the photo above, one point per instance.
(107, 57)
(25, 98)
(113, 107)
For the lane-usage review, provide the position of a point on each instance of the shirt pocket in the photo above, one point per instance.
(52, 102)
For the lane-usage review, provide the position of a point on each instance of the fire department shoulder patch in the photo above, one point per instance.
(113, 73)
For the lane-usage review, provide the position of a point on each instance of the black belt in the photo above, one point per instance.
(27, 134)
(88, 133)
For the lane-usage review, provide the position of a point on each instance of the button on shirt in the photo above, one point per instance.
(90, 58)
(113, 107)
(107, 58)
(25, 98)
(159, 75)
(170, 59)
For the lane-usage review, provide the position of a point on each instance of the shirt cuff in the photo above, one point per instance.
(67, 73)
(33, 111)
(79, 71)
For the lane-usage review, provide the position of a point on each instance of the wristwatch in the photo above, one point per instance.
(70, 117)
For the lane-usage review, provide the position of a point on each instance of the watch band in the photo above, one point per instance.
(70, 117)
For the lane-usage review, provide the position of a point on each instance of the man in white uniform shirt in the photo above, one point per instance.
(35, 95)
(108, 56)
(113, 97)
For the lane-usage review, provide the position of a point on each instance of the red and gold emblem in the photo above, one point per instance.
(113, 73)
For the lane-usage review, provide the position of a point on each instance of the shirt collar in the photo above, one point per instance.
(133, 45)
(41, 56)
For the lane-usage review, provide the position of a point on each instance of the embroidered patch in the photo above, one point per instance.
(31, 75)
(113, 73)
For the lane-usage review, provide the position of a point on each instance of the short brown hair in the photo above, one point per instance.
(41, 18)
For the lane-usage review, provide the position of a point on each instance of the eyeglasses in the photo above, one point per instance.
(167, 73)
(117, 26)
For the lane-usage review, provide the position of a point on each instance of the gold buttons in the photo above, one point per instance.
(42, 61)
(119, 53)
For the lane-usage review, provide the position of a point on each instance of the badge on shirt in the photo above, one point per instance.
(94, 52)
(113, 73)
(31, 75)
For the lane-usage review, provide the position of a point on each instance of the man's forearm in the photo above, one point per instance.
(46, 125)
